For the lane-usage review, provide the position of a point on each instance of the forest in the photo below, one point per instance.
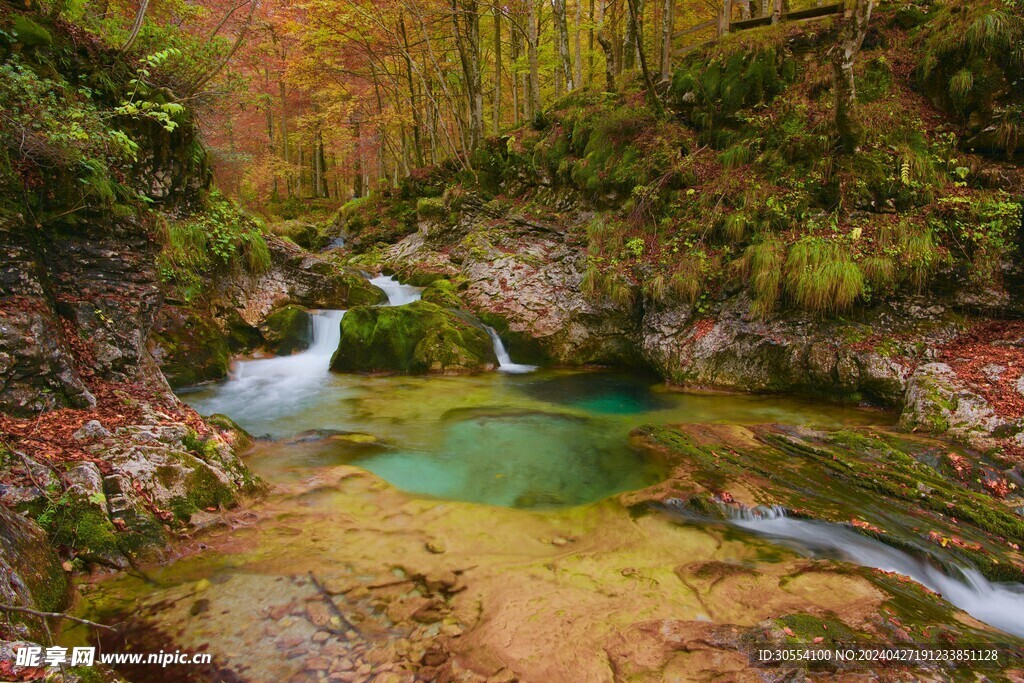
(549, 340)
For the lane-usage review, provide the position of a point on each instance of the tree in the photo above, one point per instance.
(562, 42)
(843, 56)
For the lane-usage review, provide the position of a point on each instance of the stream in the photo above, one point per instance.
(491, 456)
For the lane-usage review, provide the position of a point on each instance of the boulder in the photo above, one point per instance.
(30, 573)
(939, 402)
(189, 347)
(287, 330)
(420, 337)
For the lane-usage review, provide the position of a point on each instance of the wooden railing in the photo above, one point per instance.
(724, 23)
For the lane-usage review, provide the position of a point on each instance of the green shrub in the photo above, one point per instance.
(214, 240)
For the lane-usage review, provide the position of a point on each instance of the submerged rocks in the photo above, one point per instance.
(420, 337)
(916, 494)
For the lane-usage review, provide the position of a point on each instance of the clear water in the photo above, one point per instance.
(398, 294)
(543, 439)
(505, 363)
(997, 604)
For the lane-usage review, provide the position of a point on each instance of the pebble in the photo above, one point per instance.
(318, 664)
(436, 547)
(318, 613)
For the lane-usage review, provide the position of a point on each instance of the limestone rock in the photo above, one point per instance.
(938, 401)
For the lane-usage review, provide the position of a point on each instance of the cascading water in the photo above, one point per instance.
(505, 363)
(997, 604)
(265, 387)
(398, 294)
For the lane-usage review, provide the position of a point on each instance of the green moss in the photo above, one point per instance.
(807, 627)
(431, 207)
(79, 524)
(29, 33)
(203, 490)
(287, 330)
(356, 291)
(243, 440)
(443, 293)
(193, 349)
(417, 338)
(875, 80)
(886, 480)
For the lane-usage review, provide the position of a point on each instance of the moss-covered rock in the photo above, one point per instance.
(924, 497)
(29, 33)
(287, 330)
(348, 289)
(189, 347)
(418, 338)
(30, 573)
(237, 437)
(443, 293)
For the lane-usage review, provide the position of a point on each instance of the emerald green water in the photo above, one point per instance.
(544, 440)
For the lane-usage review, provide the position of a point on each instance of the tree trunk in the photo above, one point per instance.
(357, 181)
(667, 29)
(136, 25)
(606, 45)
(496, 123)
(777, 11)
(844, 56)
(532, 40)
(631, 47)
(414, 109)
(590, 47)
(652, 95)
(744, 9)
(725, 18)
(562, 41)
(468, 43)
(283, 93)
(577, 74)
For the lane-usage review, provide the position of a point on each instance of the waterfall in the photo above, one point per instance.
(505, 363)
(265, 388)
(398, 294)
(336, 243)
(998, 604)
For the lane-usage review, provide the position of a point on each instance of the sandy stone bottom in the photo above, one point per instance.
(340, 577)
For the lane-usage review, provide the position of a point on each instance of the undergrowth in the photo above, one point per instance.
(745, 186)
(215, 240)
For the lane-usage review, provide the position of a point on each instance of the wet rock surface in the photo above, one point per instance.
(75, 308)
(347, 579)
(922, 496)
(523, 276)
